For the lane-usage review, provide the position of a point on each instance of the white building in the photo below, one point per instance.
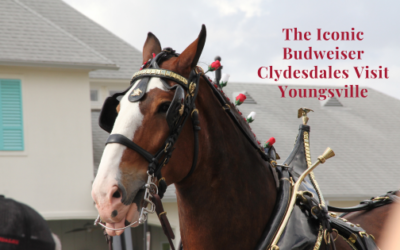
(52, 58)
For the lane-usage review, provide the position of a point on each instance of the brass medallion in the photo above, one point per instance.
(136, 92)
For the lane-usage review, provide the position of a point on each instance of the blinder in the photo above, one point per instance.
(108, 113)
(139, 91)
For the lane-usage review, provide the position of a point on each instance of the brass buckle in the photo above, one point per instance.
(166, 147)
(332, 214)
(312, 210)
(380, 198)
(337, 234)
(320, 207)
(327, 237)
(194, 110)
(352, 238)
(300, 195)
(158, 182)
(226, 107)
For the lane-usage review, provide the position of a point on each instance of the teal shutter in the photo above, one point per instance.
(11, 126)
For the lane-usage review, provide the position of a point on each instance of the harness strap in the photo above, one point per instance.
(319, 212)
(353, 234)
(162, 215)
(109, 239)
(281, 206)
(196, 129)
(195, 119)
(121, 139)
(374, 202)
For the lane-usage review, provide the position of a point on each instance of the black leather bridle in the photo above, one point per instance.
(181, 108)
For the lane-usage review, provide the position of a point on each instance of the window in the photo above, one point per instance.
(94, 95)
(11, 125)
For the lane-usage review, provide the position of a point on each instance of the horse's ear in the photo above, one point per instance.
(190, 56)
(152, 45)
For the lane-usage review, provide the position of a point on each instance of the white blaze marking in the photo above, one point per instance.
(129, 119)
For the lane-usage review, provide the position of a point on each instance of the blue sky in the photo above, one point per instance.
(248, 34)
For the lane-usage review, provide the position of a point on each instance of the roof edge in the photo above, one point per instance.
(69, 65)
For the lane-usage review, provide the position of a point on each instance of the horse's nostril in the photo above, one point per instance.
(116, 194)
(114, 213)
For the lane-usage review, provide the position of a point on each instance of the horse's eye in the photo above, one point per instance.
(163, 107)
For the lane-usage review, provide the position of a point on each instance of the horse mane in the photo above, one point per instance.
(236, 115)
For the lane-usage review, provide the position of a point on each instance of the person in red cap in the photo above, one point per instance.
(22, 228)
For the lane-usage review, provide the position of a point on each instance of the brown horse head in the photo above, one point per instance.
(117, 189)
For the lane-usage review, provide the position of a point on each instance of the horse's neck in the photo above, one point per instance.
(231, 194)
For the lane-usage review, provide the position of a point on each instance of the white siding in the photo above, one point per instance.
(54, 172)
